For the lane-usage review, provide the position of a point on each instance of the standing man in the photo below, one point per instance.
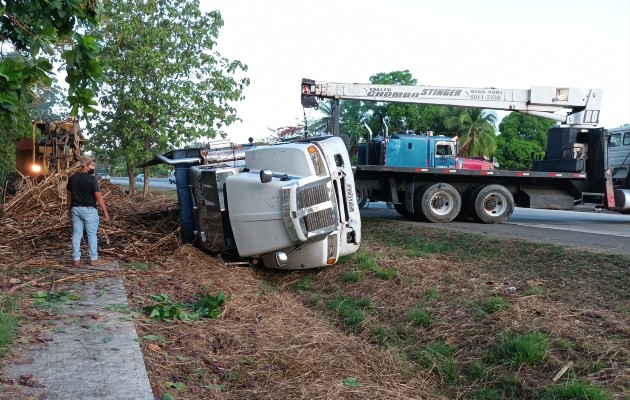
(83, 194)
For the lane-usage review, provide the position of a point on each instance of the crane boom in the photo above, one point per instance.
(581, 106)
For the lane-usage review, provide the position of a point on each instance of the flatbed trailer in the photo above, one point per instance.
(502, 191)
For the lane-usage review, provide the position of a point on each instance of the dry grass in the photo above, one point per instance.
(278, 337)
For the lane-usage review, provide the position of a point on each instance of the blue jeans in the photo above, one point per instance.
(84, 218)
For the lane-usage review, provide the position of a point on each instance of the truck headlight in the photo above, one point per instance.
(316, 159)
(332, 249)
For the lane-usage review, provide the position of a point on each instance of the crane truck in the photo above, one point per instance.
(289, 206)
(398, 169)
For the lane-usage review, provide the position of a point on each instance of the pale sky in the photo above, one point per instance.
(489, 43)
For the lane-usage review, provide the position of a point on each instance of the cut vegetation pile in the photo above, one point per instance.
(35, 227)
(418, 313)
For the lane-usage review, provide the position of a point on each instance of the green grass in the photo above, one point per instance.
(418, 315)
(367, 263)
(349, 309)
(384, 335)
(304, 283)
(478, 371)
(576, 390)
(515, 350)
(352, 276)
(438, 357)
(494, 304)
(8, 322)
(533, 291)
(432, 294)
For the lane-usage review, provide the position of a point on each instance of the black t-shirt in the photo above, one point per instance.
(82, 186)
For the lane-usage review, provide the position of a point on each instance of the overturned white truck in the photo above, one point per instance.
(291, 206)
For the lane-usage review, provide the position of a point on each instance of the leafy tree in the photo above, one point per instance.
(166, 84)
(11, 130)
(475, 128)
(40, 31)
(521, 136)
(49, 102)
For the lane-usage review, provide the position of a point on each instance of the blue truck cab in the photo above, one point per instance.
(416, 151)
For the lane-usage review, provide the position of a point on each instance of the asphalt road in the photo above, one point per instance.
(601, 231)
(154, 182)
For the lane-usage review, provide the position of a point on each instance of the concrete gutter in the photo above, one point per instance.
(92, 354)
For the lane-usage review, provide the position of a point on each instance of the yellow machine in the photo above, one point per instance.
(53, 147)
(58, 147)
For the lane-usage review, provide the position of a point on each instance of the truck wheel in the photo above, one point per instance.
(491, 204)
(362, 197)
(439, 202)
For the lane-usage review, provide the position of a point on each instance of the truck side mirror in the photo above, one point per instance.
(265, 176)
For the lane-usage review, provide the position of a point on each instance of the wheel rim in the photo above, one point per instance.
(442, 203)
(495, 204)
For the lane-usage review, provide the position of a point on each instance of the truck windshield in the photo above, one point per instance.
(443, 149)
(615, 139)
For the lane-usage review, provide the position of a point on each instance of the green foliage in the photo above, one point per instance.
(14, 127)
(8, 322)
(474, 127)
(521, 136)
(206, 306)
(521, 349)
(351, 381)
(44, 299)
(42, 31)
(166, 84)
(401, 118)
(349, 309)
(577, 390)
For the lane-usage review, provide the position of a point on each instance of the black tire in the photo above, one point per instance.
(13, 183)
(491, 204)
(402, 210)
(362, 197)
(439, 202)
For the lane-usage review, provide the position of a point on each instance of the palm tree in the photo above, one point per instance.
(474, 127)
(321, 124)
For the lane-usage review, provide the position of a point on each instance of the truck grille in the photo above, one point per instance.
(319, 220)
(312, 196)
